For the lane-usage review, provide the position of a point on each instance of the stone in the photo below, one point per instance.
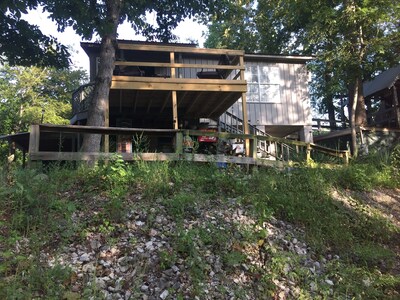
(101, 283)
(175, 268)
(153, 232)
(139, 223)
(144, 288)
(95, 244)
(149, 245)
(104, 263)
(89, 268)
(313, 286)
(164, 294)
(84, 257)
(328, 281)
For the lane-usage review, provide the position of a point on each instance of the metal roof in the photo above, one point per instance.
(385, 80)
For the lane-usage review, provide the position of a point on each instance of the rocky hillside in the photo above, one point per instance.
(162, 231)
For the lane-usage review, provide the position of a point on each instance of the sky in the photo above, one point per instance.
(186, 30)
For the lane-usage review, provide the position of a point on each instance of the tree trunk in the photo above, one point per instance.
(331, 112)
(98, 107)
(353, 96)
(361, 112)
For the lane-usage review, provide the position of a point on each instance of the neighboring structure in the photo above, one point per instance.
(383, 93)
(179, 86)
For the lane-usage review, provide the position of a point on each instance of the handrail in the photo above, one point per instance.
(80, 98)
(256, 131)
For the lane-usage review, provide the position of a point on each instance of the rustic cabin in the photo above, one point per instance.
(169, 99)
(183, 87)
(382, 96)
(383, 115)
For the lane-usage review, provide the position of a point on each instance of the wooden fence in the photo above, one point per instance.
(38, 139)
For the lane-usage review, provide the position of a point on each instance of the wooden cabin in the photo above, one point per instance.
(179, 86)
(382, 96)
(165, 98)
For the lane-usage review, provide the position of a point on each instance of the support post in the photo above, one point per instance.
(396, 106)
(179, 142)
(175, 123)
(244, 110)
(107, 124)
(308, 157)
(34, 137)
(254, 147)
(346, 157)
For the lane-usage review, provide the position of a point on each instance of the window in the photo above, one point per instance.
(263, 84)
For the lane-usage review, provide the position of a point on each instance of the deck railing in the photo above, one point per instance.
(60, 132)
(81, 97)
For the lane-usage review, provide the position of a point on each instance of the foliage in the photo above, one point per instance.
(33, 95)
(361, 235)
(351, 40)
(27, 92)
(24, 44)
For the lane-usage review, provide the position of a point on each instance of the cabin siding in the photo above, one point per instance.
(293, 108)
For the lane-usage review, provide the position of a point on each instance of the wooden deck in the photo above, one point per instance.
(158, 85)
(43, 145)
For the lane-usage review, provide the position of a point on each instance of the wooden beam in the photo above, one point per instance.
(396, 105)
(244, 110)
(150, 102)
(175, 123)
(34, 137)
(179, 49)
(101, 130)
(194, 102)
(172, 60)
(85, 156)
(136, 101)
(165, 102)
(178, 65)
(168, 86)
(212, 99)
(181, 98)
(178, 80)
(216, 107)
(107, 124)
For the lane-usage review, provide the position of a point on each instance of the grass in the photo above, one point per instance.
(36, 205)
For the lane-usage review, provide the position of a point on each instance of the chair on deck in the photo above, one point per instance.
(218, 73)
(128, 71)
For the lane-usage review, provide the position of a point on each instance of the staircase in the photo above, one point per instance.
(233, 124)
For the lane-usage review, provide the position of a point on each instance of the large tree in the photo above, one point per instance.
(90, 17)
(351, 40)
(24, 44)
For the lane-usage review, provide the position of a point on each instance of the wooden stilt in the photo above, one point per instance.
(244, 110)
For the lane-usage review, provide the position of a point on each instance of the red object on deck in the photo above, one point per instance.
(208, 139)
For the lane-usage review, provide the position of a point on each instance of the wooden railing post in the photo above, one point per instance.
(245, 122)
(254, 146)
(346, 157)
(308, 153)
(34, 137)
(179, 142)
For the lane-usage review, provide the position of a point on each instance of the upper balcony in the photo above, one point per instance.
(206, 81)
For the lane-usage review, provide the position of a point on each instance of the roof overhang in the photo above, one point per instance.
(383, 81)
(20, 139)
(298, 59)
